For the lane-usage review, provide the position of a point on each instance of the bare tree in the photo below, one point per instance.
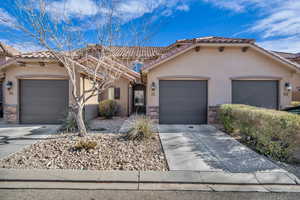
(61, 36)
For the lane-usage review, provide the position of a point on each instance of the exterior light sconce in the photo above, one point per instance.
(9, 85)
(153, 86)
(288, 86)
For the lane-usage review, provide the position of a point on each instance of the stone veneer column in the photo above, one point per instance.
(153, 113)
(213, 115)
(10, 114)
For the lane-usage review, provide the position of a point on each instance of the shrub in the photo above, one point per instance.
(85, 144)
(295, 103)
(69, 124)
(108, 108)
(142, 128)
(271, 132)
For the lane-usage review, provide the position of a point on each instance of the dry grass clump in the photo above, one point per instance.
(142, 128)
(85, 144)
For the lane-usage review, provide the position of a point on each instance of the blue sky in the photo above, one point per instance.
(275, 24)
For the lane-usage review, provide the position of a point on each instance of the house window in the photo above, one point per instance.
(117, 93)
(139, 98)
(114, 93)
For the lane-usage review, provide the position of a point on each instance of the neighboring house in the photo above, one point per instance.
(6, 52)
(294, 57)
(182, 83)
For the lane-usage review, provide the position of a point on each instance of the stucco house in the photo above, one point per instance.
(182, 83)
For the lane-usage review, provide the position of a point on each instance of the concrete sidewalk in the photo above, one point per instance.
(147, 180)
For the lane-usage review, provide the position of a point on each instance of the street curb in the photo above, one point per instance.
(188, 177)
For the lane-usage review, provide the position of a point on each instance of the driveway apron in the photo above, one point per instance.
(205, 148)
(13, 138)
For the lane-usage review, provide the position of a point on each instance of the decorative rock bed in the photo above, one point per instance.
(111, 153)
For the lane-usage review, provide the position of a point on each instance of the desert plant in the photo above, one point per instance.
(271, 132)
(85, 144)
(295, 103)
(108, 108)
(69, 124)
(142, 128)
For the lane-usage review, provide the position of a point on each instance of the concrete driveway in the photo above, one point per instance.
(15, 137)
(204, 148)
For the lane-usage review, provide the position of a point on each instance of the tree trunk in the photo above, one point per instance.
(80, 122)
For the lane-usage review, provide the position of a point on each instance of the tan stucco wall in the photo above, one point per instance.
(91, 105)
(124, 100)
(30, 71)
(219, 68)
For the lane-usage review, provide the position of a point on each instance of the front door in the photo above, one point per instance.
(139, 103)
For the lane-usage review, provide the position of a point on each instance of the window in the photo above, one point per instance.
(139, 98)
(114, 93)
(117, 93)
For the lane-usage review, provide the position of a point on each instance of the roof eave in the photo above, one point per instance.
(282, 60)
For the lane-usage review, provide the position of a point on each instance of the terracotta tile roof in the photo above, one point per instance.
(120, 52)
(214, 39)
(294, 57)
(133, 52)
(286, 54)
(38, 54)
(168, 54)
(8, 50)
(137, 52)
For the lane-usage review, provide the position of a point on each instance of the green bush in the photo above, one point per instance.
(295, 103)
(142, 128)
(271, 132)
(108, 108)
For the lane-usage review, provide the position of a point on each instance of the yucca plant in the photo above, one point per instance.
(69, 124)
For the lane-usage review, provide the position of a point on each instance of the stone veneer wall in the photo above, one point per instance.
(213, 115)
(10, 114)
(153, 113)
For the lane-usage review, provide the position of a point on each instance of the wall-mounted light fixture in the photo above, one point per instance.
(288, 86)
(153, 86)
(9, 85)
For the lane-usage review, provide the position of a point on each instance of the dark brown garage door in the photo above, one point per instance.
(43, 101)
(261, 93)
(182, 102)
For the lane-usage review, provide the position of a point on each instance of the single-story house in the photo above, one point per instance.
(182, 83)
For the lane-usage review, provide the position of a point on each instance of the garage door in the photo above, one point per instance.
(182, 102)
(43, 101)
(261, 93)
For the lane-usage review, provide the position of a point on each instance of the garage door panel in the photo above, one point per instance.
(260, 93)
(43, 101)
(183, 102)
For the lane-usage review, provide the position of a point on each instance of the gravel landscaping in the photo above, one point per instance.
(103, 125)
(111, 153)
